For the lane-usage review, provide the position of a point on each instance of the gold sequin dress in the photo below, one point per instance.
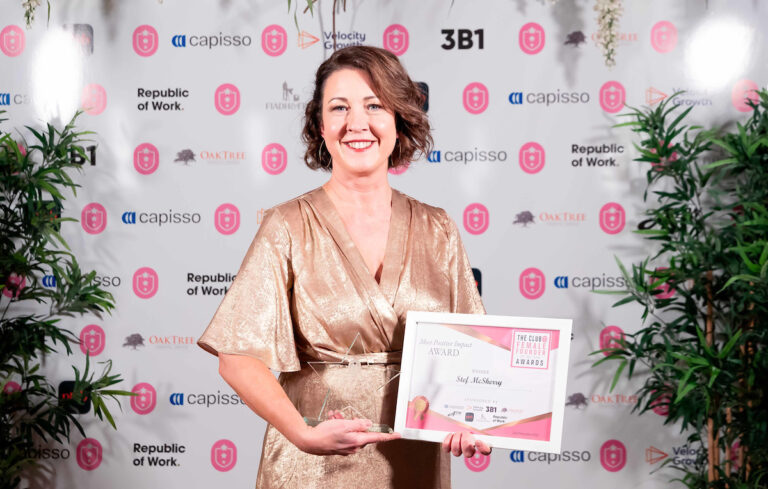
(304, 294)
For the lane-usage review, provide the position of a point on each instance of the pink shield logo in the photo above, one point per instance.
(477, 462)
(399, 170)
(146, 158)
(475, 98)
(92, 340)
(531, 38)
(274, 40)
(612, 96)
(613, 455)
(12, 40)
(94, 99)
(145, 282)
(274, 158)
(532, 157)
(13, 285)
(227, 219)
(667, 290)
(743, 91)
(396, 39)
(145, 399)
(93, 218)
(227, 99)
(612, 218)
(610, 337)
(476, 218)
(145, 40)
(660, 405)
(11, 387)
(223, 455)
(89, 454)
(664, 36)
(532, 283)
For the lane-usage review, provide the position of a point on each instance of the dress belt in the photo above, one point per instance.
(376, 358)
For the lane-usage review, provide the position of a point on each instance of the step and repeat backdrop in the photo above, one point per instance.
(197, 110)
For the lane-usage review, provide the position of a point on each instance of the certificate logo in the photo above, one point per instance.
(530, 349)
(274, 40)
(613, 455)
(612, 96)
(475, 98)
(145, 399)
(89, 454)
(478, 462)
(223, 455)
(12, 40)
(227, 219)
(145, 282)
(93, 218)
(92, 340)
(612, 218)
(743, 91)
(476, 218)
(531, 38)
(396, 39)
(227, 99)
(274, 158)
(532, 283)
(145, 40)
(611, 337)
(146, 158)
(532, 157)
(664, 36)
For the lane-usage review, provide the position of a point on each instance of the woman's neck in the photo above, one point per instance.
(366, 192)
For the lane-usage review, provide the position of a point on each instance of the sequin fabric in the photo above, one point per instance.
(304, 294)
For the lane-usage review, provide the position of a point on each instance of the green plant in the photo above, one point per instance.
(705, 316)
(32, 181)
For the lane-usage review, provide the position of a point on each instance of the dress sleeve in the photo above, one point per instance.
(254, 319)
(465, 297)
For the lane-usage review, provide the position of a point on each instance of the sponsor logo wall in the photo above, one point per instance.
(197, 113)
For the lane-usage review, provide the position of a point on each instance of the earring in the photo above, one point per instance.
(320, 153)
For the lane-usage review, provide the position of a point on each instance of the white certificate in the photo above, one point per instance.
(501, 378)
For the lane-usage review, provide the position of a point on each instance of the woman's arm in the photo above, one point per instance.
(261, 392)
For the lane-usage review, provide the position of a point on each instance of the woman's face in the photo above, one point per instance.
(358, 131)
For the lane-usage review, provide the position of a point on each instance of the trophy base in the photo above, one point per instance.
(375, 428)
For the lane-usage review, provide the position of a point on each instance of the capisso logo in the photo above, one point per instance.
(343, 39)
(7, 98)
(548, 98)
(595, 154)
(459, 156)
(599, 282)
(161, 218)
(153, 460)
(47, 453)
(519, 456)
(211, 41)
(49, 281)
(207, 400)
(166, 96)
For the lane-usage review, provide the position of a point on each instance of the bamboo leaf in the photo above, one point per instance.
(617, 375)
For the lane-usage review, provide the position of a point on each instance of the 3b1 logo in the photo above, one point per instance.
(12, 40)
(223, 455)
(145, 40)
(396, 39)
(81, 155)
(462, 39)
(145, 399)
(92, 340)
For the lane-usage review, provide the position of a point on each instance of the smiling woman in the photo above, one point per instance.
(323, 292)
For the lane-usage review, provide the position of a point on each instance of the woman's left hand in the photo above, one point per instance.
(464, 443)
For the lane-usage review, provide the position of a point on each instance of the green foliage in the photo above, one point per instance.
(705, 346)
(33, 181)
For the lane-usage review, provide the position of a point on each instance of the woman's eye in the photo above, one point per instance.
(374, 107)
(338, 108)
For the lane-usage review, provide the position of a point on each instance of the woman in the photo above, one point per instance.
(330, 277)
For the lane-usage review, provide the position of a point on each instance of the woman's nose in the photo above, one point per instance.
(357, 120)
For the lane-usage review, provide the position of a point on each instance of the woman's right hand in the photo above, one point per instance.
(341, 437)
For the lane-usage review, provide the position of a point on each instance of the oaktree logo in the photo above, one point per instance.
(575, 38)
(576, 400)
(134, 341)
(185, 156)
(525, 218)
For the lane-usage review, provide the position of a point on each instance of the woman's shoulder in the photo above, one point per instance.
(428, 214)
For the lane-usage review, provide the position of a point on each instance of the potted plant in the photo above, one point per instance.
(33, 181)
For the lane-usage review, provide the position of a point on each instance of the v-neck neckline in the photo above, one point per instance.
(393, 253)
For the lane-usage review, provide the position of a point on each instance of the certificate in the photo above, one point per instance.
(501, 378)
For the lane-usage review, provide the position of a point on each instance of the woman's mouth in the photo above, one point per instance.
(359, 145)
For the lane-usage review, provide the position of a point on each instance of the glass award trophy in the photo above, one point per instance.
(351, 392)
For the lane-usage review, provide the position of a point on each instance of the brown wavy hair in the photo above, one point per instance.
(394, 88)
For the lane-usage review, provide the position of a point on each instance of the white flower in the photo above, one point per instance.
(608, 15)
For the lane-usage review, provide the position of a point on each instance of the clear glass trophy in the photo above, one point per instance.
(348, 372)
